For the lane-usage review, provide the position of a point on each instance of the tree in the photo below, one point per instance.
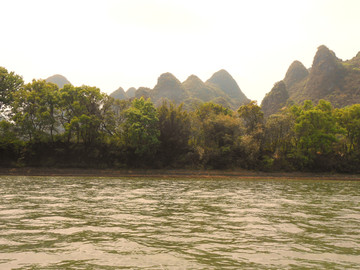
(279, 139)
(175, 130)
(9, 84)
(252, 119)
(252, 116)
(208, 109)
(35, 109)
(86, 113)
(215, 135)
(141, 131)
(349, 120)
(10, 144)
(316, 132)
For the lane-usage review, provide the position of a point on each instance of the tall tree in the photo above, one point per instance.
(9, 84)
(174, 126)
(349, 120)
(252, 116)
(35, 109)
(83, 113)
(316, 131)
(215, 135)
(141, 131)
(252, 119)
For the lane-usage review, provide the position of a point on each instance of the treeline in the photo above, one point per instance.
(43, 125)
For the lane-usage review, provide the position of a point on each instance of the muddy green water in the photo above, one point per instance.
(138, 223)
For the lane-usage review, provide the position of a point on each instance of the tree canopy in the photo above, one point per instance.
(83, 127)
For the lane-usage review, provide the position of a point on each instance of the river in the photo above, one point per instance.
(147, 223)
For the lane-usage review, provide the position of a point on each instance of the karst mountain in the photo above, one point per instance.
(329, 78)
(221, 88)
(59, 80)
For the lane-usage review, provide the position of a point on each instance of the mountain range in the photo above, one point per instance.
(329, 78)
(220, 88)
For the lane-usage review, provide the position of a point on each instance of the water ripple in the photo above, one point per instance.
(108, 223)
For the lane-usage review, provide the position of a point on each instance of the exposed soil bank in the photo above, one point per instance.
(173, 173)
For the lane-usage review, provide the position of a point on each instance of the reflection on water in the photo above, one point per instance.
(108, 223)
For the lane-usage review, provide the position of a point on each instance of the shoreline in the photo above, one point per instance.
(176, 173)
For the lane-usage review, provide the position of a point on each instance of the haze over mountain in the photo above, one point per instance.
(131, 92)
(329, 78)
(221, 88)
(119, 94)
(59, 80)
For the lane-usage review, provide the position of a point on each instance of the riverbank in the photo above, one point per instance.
(173, 173)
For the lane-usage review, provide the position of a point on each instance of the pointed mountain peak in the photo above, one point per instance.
(192, 81)
(223, 77)
(119, 94)
(221, 73)
(193, 78)
(168, 86)
(167, 77)
(59, 80)
(223, 80)
(167, 80)
(324, 55)
(296, 65)
(131, 89)
(131, 92)
(295, 73)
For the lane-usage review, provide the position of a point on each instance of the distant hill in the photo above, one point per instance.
(197, 89)
(131, 92)
(119, 94)
(329, 78)
(294, 75)
(225, 82)
(221, 88)
(170, 88)
(59, 80)
(275, 99)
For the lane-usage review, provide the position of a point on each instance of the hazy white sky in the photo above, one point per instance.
(130, 43)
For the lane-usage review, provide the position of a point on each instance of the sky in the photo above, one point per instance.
(111, 44)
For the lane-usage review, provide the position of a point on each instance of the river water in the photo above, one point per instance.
(140, 223)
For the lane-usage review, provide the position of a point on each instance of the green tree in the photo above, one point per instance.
(10, 144)
(252, 119)
(35, 109)
(279, 139)
(141, 131)
(9, 84)
(316, 131)
(86, 114)
(209, 109)
(175, 130)
(215, 136)
(252, 116)
(349, 120)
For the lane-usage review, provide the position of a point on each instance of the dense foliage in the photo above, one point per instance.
(43, 125)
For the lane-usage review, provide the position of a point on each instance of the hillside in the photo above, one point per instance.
(59, 80)
(275, 99)
(131, 92)
(329, 78)
(119, 94)
(221, 88)
(225, 82)
(170, 88)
